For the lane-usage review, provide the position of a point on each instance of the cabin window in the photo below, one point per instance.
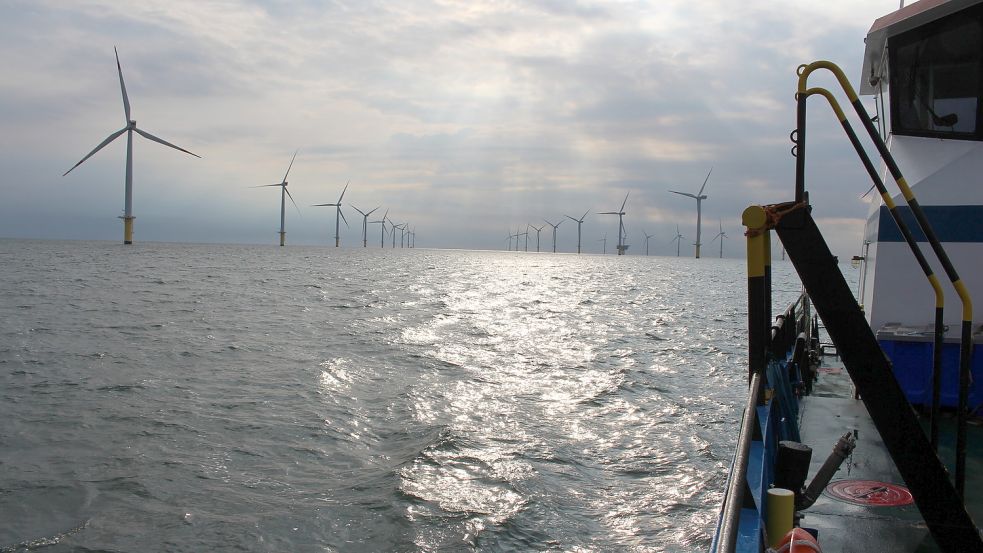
(935, 78)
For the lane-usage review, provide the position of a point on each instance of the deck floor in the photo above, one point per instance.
(845, 527)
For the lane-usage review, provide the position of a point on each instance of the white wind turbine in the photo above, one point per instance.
(339, 214)
(365, 225)
(129, 129)
(621, 225)
(554, 231)
(647, 237)
(538, 230)
(721, 235)
(284, 194)
(382, 243)
(581, 222)
(699, 197)
(526, 234)
(677, 239)
(392, 231)
(604, 246)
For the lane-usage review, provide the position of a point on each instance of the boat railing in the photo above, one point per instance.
(966, 343)
(768, 343)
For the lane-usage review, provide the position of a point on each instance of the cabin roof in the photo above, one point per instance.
(909, 17)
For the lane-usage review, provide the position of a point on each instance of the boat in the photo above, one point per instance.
(856, 433)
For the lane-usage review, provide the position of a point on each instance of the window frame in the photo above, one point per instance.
(914, 36)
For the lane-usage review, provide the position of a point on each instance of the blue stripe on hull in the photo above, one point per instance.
(952, 223)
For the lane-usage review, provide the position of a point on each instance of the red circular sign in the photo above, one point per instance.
(870, 493)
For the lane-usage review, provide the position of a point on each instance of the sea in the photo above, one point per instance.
(200, 397)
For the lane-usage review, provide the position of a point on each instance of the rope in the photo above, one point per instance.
(772, 217)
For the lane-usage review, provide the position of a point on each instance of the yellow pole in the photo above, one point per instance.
(128, 230)
(778, 521)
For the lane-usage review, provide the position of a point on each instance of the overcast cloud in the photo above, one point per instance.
(464, 119)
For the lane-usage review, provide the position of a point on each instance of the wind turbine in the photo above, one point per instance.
(538, 230)
(392, 228)
(721, 235)
(604, 247)
(699, 197)
(647, 237)
(677, 239)
(129, 129)
(382, 244)
(621, 225)
(338, 214)
(580, 222)
(554, 231)
(284, 194)
(526, 234)
(365, 225)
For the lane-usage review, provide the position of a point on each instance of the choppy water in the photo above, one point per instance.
(165, 397)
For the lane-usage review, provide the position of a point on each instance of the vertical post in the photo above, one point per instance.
(759, 310)
(799, 150)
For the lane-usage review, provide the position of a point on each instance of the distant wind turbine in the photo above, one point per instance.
(554, 231)
(382, 243)
(580, 222)
(699, 197)
(721, 235)
(526, 234)
(677, 239)
(284, 194)
(392, 227)
(129, 129)
(604, 246)
(339, 214)
(621, 225)
(647, 237)
(538, 230)
(365, 225)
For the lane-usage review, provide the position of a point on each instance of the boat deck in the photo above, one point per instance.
(843, 526)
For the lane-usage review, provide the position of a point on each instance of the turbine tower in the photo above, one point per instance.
(621, 225)
(721, 235)
(554, 232)
(604, 246)
(580, 222)
(647, 237)
(338, 215)
(365, 225)
(677, 239)
(129, 129)
(284, 194)
(699, 197)
(538, 230)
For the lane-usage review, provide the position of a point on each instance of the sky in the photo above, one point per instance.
(466, 120)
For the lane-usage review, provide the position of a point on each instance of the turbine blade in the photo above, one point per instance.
(292, 200)
(584, 217)
(265, 185)
(700, 193)
(571, 218)
(291, 165)
(126, 100)
(386, 214)
(112, 137)
(684, 194)
(343, 192)
(342, 213)
(318, 205)
(360, 211)
(149, 136)
(608, 213)
(624, 202)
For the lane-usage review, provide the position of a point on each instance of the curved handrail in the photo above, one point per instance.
(967, 304)
(939, 334)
